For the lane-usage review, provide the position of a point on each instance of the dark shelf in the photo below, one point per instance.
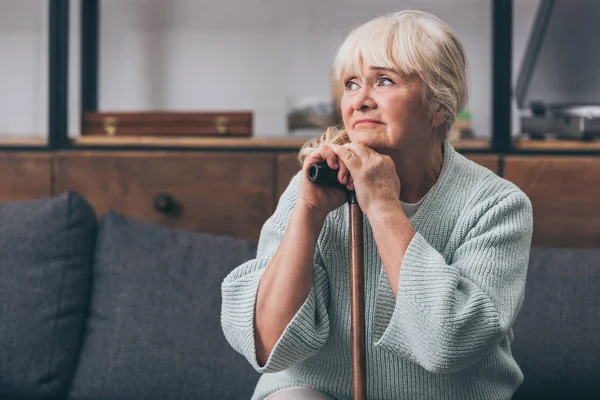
(58, 74)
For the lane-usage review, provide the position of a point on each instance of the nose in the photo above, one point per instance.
(363, 100)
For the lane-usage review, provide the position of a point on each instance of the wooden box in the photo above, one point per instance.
(166, 123)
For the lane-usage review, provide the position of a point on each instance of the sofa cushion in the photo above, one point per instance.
(556, 334)
(154, 328)
(46, 250)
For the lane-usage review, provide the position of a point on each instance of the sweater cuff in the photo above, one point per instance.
(304, 335)
(299, 340)
(237, 310)
(401, 325)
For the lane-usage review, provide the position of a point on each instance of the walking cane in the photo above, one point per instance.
(320, 173)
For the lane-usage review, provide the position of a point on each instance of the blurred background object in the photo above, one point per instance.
(310, 116)
(558, 86)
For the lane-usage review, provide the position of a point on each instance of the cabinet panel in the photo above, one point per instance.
(25, 176)
(565, 195)
(286, 167)
(224, 193)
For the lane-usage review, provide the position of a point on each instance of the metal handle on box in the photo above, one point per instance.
(110, 126)
(221, 125)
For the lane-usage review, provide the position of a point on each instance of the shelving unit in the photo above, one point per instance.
(500, 142)
(58, 138)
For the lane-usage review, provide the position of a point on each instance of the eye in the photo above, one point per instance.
(385, 81)
(351, 85)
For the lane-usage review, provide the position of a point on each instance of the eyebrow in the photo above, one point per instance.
(391, 71)
(381, 69)
(384, 69)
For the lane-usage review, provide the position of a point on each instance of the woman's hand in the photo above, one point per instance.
(374, 177)
(319, 199)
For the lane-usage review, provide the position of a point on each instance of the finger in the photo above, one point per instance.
(343, 174)
(349, 182)
(313, 157)
(348, 157)
(330, 157)
(316, 156)
(360, 150)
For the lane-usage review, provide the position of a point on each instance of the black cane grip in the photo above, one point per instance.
(322, 174)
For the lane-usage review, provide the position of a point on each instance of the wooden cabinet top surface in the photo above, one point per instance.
(262, 142)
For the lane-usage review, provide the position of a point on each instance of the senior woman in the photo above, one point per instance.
(446, 241)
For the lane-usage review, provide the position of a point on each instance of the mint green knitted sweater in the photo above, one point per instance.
(448, 333)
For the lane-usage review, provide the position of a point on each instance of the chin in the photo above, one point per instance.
(376, 141)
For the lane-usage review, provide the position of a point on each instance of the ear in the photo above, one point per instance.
(438, 118)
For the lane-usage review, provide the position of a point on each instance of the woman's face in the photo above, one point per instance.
(383, 109)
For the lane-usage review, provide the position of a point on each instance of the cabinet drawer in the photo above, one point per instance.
(564, 193)
(25, 176)
(224, 193)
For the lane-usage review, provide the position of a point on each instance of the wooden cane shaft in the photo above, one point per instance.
(357, 304)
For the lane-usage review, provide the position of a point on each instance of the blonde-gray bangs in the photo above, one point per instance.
(379, 43)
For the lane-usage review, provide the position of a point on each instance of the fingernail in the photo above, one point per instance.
(334, 145)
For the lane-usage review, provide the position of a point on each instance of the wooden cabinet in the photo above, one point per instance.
(287, 166)
(25, 176)
(232, 191)
(226, 193)
(565, 195)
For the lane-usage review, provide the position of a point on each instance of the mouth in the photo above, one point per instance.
(366, 122)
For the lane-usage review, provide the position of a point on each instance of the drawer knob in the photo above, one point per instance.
(164, 203)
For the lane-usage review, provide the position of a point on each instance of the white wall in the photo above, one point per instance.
(226, 55)
(23, 67)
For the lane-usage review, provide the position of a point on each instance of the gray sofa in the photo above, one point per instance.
(120, 309)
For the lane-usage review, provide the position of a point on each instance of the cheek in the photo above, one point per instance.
(398, 115)
(346, 111)
(403, 114)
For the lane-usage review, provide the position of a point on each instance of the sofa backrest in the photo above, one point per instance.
(557, 333)
(154, 329)
(46, 249)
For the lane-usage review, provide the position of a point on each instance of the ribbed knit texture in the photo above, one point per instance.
(448, 333)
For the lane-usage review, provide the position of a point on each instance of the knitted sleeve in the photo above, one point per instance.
(309, 328)
(446, 316)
